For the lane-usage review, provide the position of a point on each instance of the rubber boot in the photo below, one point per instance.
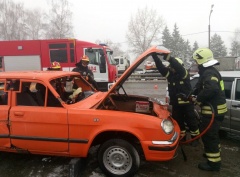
(210, 166)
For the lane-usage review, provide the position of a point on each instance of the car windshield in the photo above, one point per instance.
(72, 89)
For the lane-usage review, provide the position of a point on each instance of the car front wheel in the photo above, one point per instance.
(118, 158)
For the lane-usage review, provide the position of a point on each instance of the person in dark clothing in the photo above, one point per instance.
(82, 68)
(179, 84)
(210, 90)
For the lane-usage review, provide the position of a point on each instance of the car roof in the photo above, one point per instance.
(230, 73)
(41, 75)
(225, 74)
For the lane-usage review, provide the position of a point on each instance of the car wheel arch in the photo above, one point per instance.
(107, 135)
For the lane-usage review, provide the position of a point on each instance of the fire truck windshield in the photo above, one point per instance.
(94, 56)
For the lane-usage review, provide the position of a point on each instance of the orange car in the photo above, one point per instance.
(60, 113)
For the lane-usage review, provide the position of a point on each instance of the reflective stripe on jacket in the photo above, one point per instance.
(178, 81)
(210, 90)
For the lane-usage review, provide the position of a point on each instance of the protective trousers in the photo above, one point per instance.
(211, 138)
(185, 114)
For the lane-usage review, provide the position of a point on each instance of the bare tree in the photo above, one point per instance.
(34, 23)
(60, 20)
(12, 25)
(143, 30)
(117, 51)
(115, 47)
(16, 23)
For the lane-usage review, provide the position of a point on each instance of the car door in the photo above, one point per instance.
(235, 108)
(35, 124)
(4, 108)
(228, 86)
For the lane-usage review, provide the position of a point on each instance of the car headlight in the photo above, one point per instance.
(167, 126)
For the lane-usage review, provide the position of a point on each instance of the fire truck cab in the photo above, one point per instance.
(39, 54)
(122, 63)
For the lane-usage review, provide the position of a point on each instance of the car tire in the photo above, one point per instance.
(118, 158)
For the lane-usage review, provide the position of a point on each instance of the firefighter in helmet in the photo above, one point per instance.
(178, 85)
(55, 66)
(82, 68)
(210, 89)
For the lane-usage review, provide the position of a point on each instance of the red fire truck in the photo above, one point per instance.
(39, 54)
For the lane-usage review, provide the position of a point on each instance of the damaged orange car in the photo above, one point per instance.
(59, 113)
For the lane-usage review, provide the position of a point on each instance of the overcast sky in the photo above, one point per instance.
(108, 19)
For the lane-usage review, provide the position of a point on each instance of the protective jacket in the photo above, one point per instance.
(210, 89)
(86, 73)
(178, 84)
(178, 81)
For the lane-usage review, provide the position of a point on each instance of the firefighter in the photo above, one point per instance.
(55, 66)
(82, 68)
(210, 89)
(179, 85)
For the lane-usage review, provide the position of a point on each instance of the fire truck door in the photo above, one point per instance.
(98, 64)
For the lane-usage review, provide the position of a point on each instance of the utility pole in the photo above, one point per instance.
(209, 28)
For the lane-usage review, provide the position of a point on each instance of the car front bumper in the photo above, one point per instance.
(161, 150)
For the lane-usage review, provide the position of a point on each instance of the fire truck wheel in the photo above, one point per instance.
(118, 158)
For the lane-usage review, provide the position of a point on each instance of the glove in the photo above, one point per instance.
(166, 56)
(193, 98)
(183, 96)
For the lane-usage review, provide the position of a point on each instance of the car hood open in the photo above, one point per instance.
(154, 49)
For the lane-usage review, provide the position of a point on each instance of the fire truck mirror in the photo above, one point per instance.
(102, 64)
(101, 52)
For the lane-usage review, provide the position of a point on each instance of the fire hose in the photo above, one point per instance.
(202, 133)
